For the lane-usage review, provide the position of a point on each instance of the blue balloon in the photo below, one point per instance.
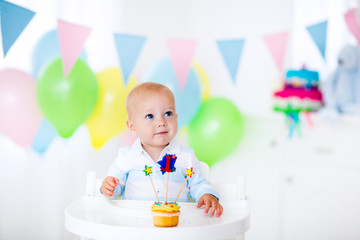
(46, 50)
(44, 136)
(188, 100)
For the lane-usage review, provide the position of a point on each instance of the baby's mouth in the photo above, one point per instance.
(161, 133)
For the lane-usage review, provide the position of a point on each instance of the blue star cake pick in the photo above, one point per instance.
(167, 164)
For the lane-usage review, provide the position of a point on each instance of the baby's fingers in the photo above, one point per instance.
(219, 210)
(207, 205)
(200, 203)
(116, 181)
(106, 190)
(112, 182)
(213, 208)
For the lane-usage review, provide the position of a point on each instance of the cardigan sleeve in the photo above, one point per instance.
(198, 184)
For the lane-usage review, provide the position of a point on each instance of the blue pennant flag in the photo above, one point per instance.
(231, 52)
(14, 19)
(128, 49)
(318, 34)
(167, 163)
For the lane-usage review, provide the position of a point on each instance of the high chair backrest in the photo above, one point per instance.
(231, 190)
(227, 191)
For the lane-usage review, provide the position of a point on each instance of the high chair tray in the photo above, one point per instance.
(100, 218)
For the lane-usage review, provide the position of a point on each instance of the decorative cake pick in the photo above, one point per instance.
(148, 171)
(189, 173)
(167, 164)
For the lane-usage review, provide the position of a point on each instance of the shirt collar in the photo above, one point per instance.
(173, 147)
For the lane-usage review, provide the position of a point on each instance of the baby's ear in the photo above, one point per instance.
(130, 125)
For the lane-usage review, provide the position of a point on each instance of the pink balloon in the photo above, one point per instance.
(20, 116)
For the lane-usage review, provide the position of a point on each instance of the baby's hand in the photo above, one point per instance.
(109, 185)
(210, 201)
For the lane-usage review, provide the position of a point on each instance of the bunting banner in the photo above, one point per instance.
(68, 39)
(46, 50)
(352, 23)
(72, 38)
(128, 49)
(181, 54)
(318, 33)
(231, 52)
(277, 44)
(14, 20)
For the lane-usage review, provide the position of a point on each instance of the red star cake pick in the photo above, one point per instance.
(188, 174)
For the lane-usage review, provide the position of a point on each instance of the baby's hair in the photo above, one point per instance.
(146, 87)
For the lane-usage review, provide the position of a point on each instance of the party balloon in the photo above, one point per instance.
(46, 50)
(109, 117)
(188, 100)
(205, 83)
(67, 102)
(20, 116)
(44, 136)
(216, 130)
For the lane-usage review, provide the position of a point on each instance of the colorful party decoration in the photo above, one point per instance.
(216, 130)
(185, 78)
(352, 23)
(14, 20)
(147, 170)
(20, 115)
(277, 44)
(46, 50)
(109, 116)
(181, 54)
(72, 38)
(231, 51)
(128, 49)
(188, 100)
(188, 174)
(67, 102)
(205, 83)
(300, 94)
(318, 33)
(167, 163)
(43, 137)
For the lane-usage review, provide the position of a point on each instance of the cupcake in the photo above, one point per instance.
(165, 214)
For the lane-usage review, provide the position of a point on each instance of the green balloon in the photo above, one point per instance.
(67, 102)
(216, 130)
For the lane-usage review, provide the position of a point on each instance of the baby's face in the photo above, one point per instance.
(154, 119)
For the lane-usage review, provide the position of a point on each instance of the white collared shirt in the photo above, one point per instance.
(134, 184)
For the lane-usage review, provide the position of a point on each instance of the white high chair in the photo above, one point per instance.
(96, 217)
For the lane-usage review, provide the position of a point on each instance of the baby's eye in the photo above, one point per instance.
(149, 116)
(168, 114)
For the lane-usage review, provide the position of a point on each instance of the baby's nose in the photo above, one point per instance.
(161, 123)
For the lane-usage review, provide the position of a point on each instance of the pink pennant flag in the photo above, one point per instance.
(72, 38)
(181, 55)
(353, 24)
(277, 44)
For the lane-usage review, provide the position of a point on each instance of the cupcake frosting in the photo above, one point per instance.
(168, 207)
